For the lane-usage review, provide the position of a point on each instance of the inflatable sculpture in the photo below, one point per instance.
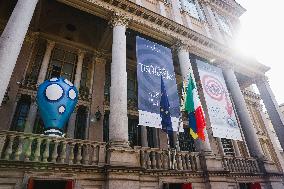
(56, 100)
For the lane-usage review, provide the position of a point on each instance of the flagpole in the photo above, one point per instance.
(169, 151)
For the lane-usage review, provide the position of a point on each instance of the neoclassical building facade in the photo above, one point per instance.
(92, 44)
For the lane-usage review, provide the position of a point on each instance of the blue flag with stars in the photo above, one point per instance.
(165, 110)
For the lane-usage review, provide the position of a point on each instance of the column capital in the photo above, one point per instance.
(81, 53)
(31, 36)
(100, 60)
(260, 78)
(50, 44)
(205, 2)
(33, 99)
(226, 65)
(119, 19)
(181, 45)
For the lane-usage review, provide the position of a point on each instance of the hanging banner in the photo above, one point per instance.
(153, 62)
(220, 109)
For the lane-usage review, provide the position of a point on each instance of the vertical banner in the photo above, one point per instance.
(220, 109)
(153, 62)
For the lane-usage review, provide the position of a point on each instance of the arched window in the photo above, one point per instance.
(21, 113)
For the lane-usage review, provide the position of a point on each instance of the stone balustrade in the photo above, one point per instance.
(241, 165)
(158, 159)
(16, 146)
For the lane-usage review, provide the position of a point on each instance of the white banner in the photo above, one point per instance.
(220, 109)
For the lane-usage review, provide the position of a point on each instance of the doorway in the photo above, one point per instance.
(48, 184)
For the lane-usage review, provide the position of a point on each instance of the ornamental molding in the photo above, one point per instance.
(232, 9)
(166, 30)
(180, 45)
(119, 19)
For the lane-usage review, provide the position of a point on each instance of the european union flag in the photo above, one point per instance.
(165, 110)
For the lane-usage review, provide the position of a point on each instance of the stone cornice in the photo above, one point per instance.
(154, 25)
(232, 9)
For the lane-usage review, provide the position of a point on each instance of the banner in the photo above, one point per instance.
(153, 62)
(220, 109)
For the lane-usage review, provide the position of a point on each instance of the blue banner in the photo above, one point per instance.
(153, 62)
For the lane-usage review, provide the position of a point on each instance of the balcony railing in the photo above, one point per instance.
(34, 148)
(241, 165)
(16, 146)
(158, 159)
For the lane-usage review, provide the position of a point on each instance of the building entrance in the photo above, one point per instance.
(48, 184)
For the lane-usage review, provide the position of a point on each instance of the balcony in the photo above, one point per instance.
(241, 165)
(38, 151)
(158, 160)
(33, 148)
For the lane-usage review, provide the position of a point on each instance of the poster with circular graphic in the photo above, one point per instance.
(220, 109)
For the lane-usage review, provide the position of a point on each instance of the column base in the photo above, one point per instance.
(53, 132)
(269, 167)
(210, 162)
(119, 154)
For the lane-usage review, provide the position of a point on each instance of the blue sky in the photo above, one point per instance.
(262, 36)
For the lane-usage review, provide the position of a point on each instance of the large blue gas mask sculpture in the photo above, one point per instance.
(56, 99)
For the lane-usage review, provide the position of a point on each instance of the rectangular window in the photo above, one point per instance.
(228, 147)
(62, 64)
(224, 24)
(132, 91)
(191, 8)
(35, 68)
(21, 114)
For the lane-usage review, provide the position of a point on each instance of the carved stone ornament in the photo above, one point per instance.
(119, 19)
(180, 45)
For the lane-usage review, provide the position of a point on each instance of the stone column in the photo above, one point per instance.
(212, 21)
(156, 137)
(72, 119)
(220, 145)
(29, 125)
(80, 61)
(186, 68)
(12, 39)
(176, 12)
(87, 123)
(236, 148)
(272, 107)
(144, 139)
(71, 124)
(199, 9)
(118, 120)
(41, 77)
(272, 138)
(162, 8)
(175, 142)
(92, 72)
(96, 126)
(44, 65)
(243, 113)
(139, 2)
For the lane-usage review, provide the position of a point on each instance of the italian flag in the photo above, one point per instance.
(193, 107)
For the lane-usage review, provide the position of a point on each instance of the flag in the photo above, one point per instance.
(195, 113)
(165, 110)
